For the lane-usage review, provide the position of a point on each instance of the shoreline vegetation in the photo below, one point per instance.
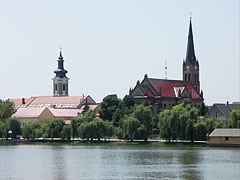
(122, 119)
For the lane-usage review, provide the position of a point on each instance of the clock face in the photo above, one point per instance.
(188, 67)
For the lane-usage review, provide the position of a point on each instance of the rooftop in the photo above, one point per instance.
(225, 133)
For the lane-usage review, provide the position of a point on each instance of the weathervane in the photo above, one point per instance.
(60, 48)
(190, 15)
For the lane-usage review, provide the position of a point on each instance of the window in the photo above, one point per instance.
(185, 77)
(55, 87)
(64, 87)
(189, 77)
(226, 138)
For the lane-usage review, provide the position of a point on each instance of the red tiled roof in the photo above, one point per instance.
(167, 87)
(149, 92)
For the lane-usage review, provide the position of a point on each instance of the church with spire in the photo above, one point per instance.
(162, 93)
(60, 81)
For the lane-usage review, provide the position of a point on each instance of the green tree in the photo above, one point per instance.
(164, 122)
(132, 125)
(85, 108)
(54, 127)
(145, 116)
(128, 101)
(66, 132)
(6, 109)
(32, 130)
(74, 126)
(235, 118)
(83, 130)
(2, 130)
(203, 109)
(200, 130)
(109, 106)
(213, 123)
(13, 125)
(26, 131)
(110, 129)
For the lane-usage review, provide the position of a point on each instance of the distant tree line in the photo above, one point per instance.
(120, 118)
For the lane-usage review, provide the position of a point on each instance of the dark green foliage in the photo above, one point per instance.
(213, 123)
(54, 127)
(234, 121)
(6, 109)
(131, 126)
(74, 125)
(182, 122)
(145, 117)
(109, 106)
(13, 125)
(85, 108)
(114, 109)
(32, 130)
(200, 130)
(128, 101)
(2, 130)
(66, 132)
(137, 125)
(203, 109)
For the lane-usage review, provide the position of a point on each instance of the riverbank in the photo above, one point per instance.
(95, 141)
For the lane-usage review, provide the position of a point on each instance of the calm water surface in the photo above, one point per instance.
(73, 162)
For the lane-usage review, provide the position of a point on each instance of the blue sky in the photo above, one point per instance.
(110, 44)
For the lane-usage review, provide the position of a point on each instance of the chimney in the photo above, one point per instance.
(23, 101)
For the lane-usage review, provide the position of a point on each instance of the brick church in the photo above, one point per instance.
(161, 93)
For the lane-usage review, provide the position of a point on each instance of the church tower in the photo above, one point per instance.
(190, 64)
(60, 81)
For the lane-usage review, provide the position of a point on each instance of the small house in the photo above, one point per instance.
(225, 137)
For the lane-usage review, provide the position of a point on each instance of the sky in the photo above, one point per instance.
(108, 45)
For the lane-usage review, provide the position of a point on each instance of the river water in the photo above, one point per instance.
(74, 162)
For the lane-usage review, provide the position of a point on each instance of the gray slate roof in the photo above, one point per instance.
(227, 109)
(225, 133)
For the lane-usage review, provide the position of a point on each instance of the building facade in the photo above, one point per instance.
(222, 111)
(161, 93)
(225, 137)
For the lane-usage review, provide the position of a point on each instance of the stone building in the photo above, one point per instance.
(161, 93)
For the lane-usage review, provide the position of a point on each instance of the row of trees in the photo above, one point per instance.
(120, 118)
(183, 122)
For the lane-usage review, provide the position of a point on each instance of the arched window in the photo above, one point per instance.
(189, 77)
(64, 87)
(185, 77)
(55, 87)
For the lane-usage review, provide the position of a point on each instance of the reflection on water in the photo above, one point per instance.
(64, 162)
(58, 163)
(189, 161)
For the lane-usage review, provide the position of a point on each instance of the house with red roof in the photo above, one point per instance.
(161, 93)
(60, 105)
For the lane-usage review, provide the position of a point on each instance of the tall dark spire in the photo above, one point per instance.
(60, 72)
(190, 56)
